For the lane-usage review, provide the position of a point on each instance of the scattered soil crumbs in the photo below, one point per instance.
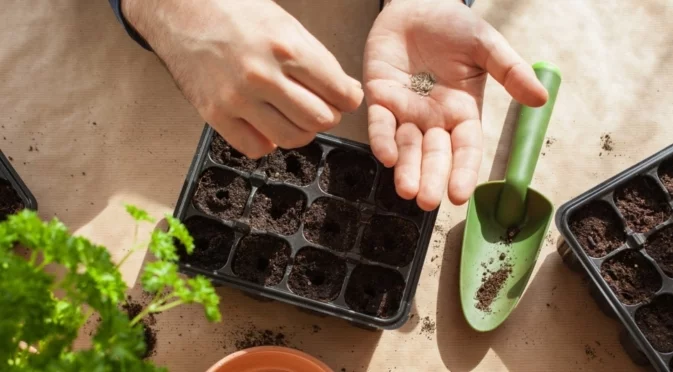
(255, 337)
(643, 204)
(510, 235)
(332, 224)
(422, 83)
(348, 174)
(317, 274)
(597, 228)
(428, 328)
(277, 209)
(261, 259)
(666, 175)
(212, 241)
(132, 309)
(222, 152)
(491, 285)
(656, 322)
(660, 247)
(606, 142)
(390, 240)
(590, 352)
(375, 290)
(631, 277)
(550, 141)
(296, 166)
(222, 194)
(10, 202)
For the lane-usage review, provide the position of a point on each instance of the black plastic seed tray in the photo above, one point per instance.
(620, 233)
(319, 227)
(9, 177)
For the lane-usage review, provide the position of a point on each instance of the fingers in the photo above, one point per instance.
(243, 137)
(435, 168)
(408, 168)
(466, 141)
(382, 127)
(276, 127)
(494, 54)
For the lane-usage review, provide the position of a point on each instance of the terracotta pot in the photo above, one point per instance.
(269, 359)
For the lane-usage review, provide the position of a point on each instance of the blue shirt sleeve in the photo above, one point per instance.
(117, 8)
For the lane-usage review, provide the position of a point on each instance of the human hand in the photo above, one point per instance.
(435, 140)
(251, 70)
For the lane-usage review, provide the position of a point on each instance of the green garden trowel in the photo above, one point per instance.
(507, 221)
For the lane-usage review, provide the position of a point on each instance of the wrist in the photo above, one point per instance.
(386, 2)
(133, 15)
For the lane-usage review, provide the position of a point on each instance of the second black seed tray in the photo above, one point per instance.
(320, 227)
(14, 195)
(621, 234)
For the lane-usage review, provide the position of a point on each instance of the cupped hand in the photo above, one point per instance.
(251, 70)
(434, 141)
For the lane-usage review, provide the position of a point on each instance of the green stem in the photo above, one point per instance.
(168, 306)
(33, 258)
(128, 254)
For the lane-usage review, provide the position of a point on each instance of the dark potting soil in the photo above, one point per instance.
(387, 197)
(491, 285)
(132, 309)
(331, 223)
(510, 235)
(212, 243)
(257, 337)
(597, 228)
(631, 277)
(10, 201)
(222, 152)
(222, 193)
(261, 259)
(390, 240)
(655, 320)
(317, 274)
(348, 174)
(660, 247)
(296, 166)
(643, 204)
(375, 290)
(666, 175)
(277, 209)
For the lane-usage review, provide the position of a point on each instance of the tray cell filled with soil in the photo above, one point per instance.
(631, 277)
(10, 201)
(277, 209)
(212, 243)
(349, 175)
(375, 290)
(660, 247)
(389, 240)
(388, 199)
(317, 274)
(332, 224)
(296, 166)
(222, 193)
(222, 153)
(643, 204)
(666, 175)
(261, 259)
(655, 320)
(597, 228)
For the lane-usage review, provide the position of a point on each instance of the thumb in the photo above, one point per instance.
(494, 54)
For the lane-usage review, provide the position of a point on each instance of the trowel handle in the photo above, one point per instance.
(526, 146)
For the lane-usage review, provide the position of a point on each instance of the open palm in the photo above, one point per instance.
(435, 140)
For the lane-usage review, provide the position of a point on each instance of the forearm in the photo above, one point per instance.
(466, 2)
(120, 13)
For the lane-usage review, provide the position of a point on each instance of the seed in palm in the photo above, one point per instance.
(422, 83)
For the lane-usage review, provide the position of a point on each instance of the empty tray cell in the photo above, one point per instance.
(387, 197)
(660, 247)
(317, 274)
(642, 203)
(10, 201)
(631, 277)
(277, 209)
(332, 224)
(297, 166)
(390, 240)
(375, 290)
(261, 259)
(666, 175)
(348, 174)
(655, 320)
(597, 228)
(221, 152)
(212, 243)
(222, 193)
